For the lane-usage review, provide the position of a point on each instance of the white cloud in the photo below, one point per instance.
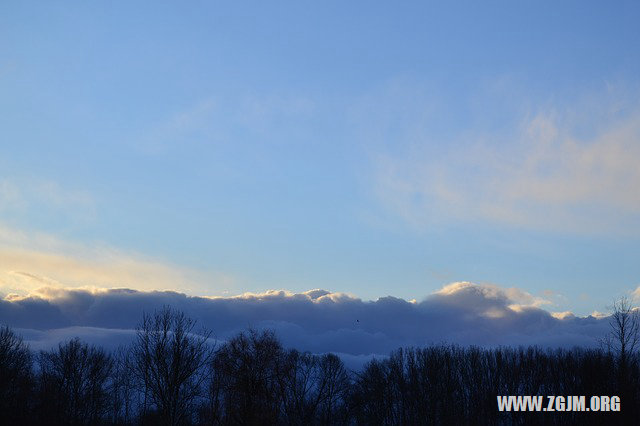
(636, 293)
(31, 260)
(208, 121)
(23, 193)
(9, 194)
(554, 170)
(24, 271)
(563, 315)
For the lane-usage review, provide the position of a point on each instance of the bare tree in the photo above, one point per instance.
(15, 377)
(247, 371)
(169, 361)
(299, 386)
(124, 397)
(624, 333)
(74, 383)
(334, 385)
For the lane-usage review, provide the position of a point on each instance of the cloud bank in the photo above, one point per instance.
(318, 320)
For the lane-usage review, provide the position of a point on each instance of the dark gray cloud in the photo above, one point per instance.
(317, 321)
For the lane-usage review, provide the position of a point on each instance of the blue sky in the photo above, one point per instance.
(374, 149)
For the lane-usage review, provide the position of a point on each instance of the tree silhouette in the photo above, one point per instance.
(624, 335)
(171, 375)
(169, 362)
(247, 372)
(16, 379)
(74, 383)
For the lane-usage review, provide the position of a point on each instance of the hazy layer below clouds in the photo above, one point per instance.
(317, 321)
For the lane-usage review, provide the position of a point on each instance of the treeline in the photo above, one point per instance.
(172, 374)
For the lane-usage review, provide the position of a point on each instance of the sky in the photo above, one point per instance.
(368, 149)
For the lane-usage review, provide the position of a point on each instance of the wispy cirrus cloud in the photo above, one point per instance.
(31, 260)
(220, 119)
(22, 194)
(572, 169)
(24, 271)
